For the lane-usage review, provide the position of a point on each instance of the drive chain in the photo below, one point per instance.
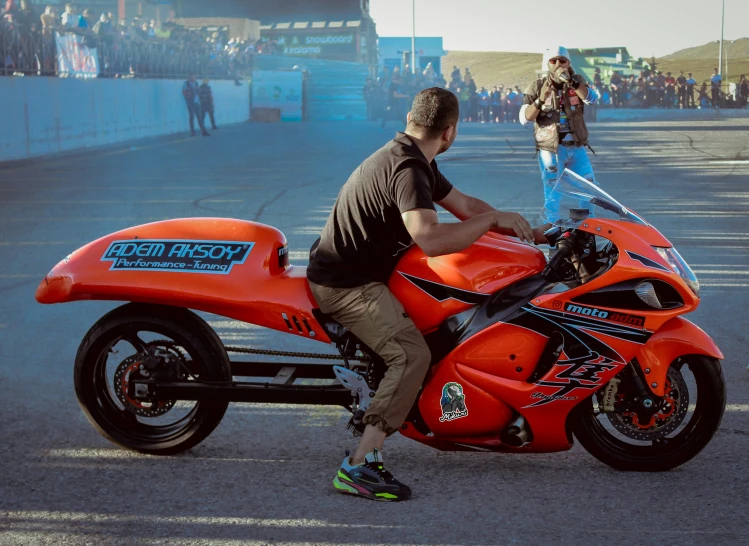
(289, 354)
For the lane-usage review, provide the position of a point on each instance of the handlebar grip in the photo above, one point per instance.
(564, 246)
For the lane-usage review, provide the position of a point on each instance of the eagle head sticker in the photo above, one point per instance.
(453, 402)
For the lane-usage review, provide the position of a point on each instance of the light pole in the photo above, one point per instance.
(720, 48)
(413, 36)
(725, 77)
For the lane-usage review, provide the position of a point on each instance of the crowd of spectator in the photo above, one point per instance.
(656, 89)
(390, 95)
(125, 48)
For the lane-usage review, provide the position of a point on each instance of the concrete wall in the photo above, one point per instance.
(657, 114)
(51, 115)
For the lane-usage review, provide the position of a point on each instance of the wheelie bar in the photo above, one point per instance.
(278, 389)
(268, 393)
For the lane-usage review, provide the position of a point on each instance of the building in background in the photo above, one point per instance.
(338, 40)
(396, 51)
(339, 30)
(608, 59)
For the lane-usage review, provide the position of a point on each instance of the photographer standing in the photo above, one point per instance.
(556, 104)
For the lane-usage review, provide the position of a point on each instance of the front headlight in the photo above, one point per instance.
(680, 267)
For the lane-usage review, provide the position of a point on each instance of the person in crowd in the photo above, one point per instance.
(369, 92)
(496, 104)
(512, 96)
(48, 19)
(484, 105)
(473, 100)
(517, 103)
(703, 99)
(464, 96)
(681, 90)
(406, 75)
(670, 83)
(191, 94)
(742, 90)
(691, 82)
(388, 205)
(103, 27)
(396, 100)
(430, 74)
(206, 103)
(455, 75)
(615, 83)
(25, 16)
(716, 80)
(555, 104)
(70, 18)
(597, 81)
(87, 20)
(660, 87)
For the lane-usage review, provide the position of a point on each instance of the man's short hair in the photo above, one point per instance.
(433, 110)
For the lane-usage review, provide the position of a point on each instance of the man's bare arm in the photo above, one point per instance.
(436, 239)
(464, 206)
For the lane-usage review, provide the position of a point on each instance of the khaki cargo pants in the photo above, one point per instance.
(372, 314)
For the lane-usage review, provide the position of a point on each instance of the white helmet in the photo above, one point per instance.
(552, 52)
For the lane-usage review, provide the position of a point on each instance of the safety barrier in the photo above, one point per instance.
(51, 115)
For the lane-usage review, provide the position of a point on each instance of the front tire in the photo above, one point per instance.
(667, 452)
(160, 429)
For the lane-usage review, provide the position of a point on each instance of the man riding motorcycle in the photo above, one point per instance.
(387, 205)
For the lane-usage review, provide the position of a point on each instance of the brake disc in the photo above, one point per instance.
(665, 420)
(128, 369)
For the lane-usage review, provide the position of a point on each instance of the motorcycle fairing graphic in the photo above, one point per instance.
(453, 402)
(588, 359)
(178, 256)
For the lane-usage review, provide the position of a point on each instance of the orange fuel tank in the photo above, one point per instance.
(432, 289)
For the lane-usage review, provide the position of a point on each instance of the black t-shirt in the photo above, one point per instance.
(364, 235)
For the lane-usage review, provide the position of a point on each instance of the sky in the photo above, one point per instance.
(644, 27)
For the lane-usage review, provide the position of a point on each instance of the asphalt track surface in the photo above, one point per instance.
(264, 476)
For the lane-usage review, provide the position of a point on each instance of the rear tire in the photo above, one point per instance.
(93, 388)
(607, 448)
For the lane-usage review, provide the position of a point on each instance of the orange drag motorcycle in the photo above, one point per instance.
(527, 354)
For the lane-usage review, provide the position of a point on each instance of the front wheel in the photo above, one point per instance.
(684, 423)
(149, 341)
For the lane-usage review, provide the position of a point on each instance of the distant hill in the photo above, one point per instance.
(494, 67)
(702, 59)
(491, 68)
(739, 48)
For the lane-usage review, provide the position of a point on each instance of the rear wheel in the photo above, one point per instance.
(117, 349)
(681, 425)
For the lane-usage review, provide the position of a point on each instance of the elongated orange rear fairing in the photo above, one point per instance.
(233, 268)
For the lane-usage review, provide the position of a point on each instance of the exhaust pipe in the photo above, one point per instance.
(517, 434)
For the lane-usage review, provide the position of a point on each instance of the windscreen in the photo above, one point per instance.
(575, 194)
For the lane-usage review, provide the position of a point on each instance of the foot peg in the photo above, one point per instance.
(361, 392)
(517, 434)
(355, 424)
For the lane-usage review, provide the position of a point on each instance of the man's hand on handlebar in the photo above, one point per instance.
(512, 223)
(538, 234)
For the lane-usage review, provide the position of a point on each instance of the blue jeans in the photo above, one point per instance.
(574, 158)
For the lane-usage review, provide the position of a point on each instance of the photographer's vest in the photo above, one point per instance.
(547, 126)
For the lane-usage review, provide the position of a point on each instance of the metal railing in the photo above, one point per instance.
(35, 53)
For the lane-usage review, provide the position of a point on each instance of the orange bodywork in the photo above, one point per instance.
(487, 266)
(673, 339)
(261, 290)
(238, 269)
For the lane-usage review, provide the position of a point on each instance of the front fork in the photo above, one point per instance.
(641, 401)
